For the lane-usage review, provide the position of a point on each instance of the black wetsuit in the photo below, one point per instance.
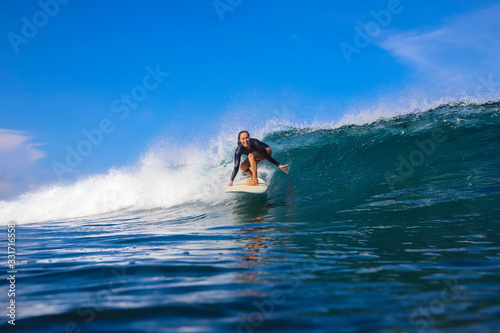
(255, 145)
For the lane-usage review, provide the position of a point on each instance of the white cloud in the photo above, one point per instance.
(17, 161)
(468, 44)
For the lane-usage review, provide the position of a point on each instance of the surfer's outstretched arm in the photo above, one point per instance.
(268, 157)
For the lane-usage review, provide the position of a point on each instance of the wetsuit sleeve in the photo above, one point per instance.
(237, 157)
(261, 147)
(269, 157)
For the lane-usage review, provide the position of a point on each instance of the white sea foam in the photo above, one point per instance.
(151, 184)
(157, 181)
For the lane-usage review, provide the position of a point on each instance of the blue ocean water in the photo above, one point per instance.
(387, 226)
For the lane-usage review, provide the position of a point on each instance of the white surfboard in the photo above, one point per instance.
(242, 187)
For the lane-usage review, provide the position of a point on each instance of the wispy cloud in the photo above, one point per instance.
(17, 161)
(467, 44)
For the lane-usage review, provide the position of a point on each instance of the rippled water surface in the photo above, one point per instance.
(149, 272)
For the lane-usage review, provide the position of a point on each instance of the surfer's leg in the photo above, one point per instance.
(253, 165)
(259, 157)
(255, 158)
(245, 168)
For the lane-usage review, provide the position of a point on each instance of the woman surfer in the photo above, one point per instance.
(257, 151)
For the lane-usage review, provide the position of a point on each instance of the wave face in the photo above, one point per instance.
(447, 156)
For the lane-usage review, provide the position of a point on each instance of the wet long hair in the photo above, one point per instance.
(239, 134)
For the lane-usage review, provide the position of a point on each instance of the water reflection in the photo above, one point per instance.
(250, 208)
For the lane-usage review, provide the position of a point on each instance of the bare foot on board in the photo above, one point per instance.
(253, 182)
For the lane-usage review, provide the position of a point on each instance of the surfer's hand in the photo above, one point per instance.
(230, 183)
(283, 168)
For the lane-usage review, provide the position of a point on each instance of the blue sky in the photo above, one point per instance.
(68, 67)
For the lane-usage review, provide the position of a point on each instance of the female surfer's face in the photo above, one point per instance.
(245, 140)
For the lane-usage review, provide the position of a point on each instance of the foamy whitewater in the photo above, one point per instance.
(387, 222)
